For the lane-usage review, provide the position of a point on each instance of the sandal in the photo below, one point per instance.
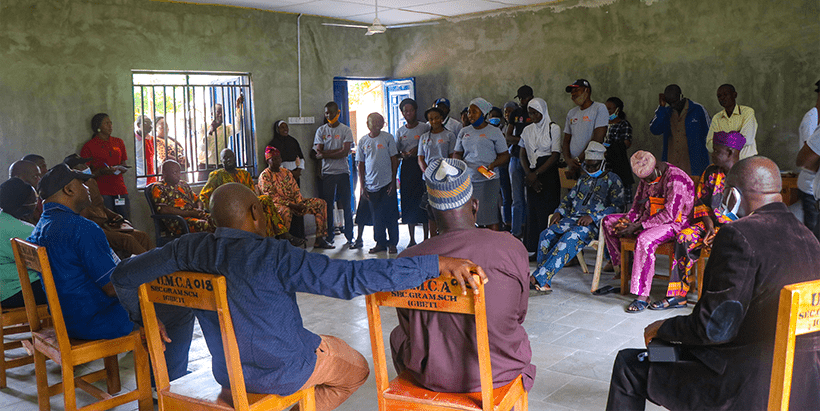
(296, 241)
(668, 302)
(637, 306)
(537, 290)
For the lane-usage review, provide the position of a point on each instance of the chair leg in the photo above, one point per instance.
(142, 371)
(522, 404)
(308, 400)
(43, 397)
(625, 271)
(2, 356)
(599, 260)
(582, 262)
(69, 388)
(112, 374)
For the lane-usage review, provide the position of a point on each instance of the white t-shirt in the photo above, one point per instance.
(408, 138)
(814, 145)
(540, 145)
(807, 127)
(376, 153)
(581, 123)
(334, 138)
(480, 148)
(439, 145)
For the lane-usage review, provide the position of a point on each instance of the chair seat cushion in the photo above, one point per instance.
(405, 388)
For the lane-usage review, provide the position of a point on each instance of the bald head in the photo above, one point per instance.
(758, 174)
(234, 205)
(26, 171)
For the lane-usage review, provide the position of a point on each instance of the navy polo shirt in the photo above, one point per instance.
(81, 263)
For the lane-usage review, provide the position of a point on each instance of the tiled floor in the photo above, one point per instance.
(574, 336)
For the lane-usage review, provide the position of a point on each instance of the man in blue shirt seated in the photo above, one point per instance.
(279, 356)
(82, 263)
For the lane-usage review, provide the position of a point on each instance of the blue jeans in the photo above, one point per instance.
(179, 324)
(385, 211)
(506, 194)
(519, 205)
(337, 187)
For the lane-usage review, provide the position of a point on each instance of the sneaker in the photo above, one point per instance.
(354, 245)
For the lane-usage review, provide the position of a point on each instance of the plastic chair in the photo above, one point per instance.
(403, 393)
(54, 343)
(197, 391)
(162, 235)
(14, 321)
(795, 299)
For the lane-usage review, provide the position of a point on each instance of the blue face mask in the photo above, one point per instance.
(494, 121)
(734, 193)
(595, 174)
(478, 122)
(613, 116)
(88, 171)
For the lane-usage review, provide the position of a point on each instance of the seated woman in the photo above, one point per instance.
(597, 194)
(278, 184)
(663, 201)
(174, 196)
(706, 221)
(17, 202)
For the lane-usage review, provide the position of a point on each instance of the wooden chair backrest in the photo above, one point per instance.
(797, 314)
(198, 291)
(30, 256)
(442, 294)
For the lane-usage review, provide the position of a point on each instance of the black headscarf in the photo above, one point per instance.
(287, 145)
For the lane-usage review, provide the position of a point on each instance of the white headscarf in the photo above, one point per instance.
(536, 137)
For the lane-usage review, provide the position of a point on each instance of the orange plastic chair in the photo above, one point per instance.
(796, 315)
(54, 343)
(403, 393)
(197, 391)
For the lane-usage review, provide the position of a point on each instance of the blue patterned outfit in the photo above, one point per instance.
(594, 197)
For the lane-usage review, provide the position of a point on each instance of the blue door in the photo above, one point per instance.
(394, 92)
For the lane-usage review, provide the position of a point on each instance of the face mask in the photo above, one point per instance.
(495, 121)
(734, 193)
(595, 174)
(334, 119)
(87, 171)
(478, 122)
(614, 115)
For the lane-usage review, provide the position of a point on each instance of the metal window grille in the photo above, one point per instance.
(187, 104)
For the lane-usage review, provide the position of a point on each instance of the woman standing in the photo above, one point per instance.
(436, 143)
(540, 149)
(483, 148)
(412, 183)
(618, 139)
(292, 157)
(108, 164)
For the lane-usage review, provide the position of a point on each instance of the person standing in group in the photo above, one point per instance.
(805, 180)
(436, 143)
(516, 122)
(378, 161)
(618, 140)
(412, 183)
(452, 125)
(540, 149)
(586, 122)
(734, 117)
(684, 125)
(108, 164)
(332, 145)
(483, 148)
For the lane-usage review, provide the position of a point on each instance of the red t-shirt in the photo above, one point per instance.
(109, 152)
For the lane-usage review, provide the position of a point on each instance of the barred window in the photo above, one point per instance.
(191, 117)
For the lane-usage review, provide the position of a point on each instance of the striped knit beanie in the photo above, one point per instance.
(448, 183)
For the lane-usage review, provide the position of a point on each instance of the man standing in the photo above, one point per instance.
(519, 119)
(332, 145)
(377, 158)
(734, 117)
(584, 123)
(730, 333)
(279, 355)
(82, 263)
(807, 172)
(424, 342)
(449, 123)
(684, 125)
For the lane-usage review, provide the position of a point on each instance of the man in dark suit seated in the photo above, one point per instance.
(727, 342)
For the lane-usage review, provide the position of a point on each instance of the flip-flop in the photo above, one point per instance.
(537, 291)
(636, 306)
(605, 290)
(668, 302)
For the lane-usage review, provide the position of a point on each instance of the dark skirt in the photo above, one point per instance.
(541, 205)
(412, 188)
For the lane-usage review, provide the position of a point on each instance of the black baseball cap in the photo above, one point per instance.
(58, 177)
(73, 160)
(578, 83)
(524, 91)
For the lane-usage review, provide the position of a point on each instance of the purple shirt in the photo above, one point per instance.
(678, 192)
(439, 349)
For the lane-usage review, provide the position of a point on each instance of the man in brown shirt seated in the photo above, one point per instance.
(439, 349)
(121, 235)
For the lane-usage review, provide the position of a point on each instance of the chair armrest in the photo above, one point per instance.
(183, 224)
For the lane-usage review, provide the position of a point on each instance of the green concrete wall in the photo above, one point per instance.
(63, 61)
(770, 51)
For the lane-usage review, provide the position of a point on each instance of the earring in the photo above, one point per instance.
(98, 130)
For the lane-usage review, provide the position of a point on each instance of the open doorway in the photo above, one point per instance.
(363, 97)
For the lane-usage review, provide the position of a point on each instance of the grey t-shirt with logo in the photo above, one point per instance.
(581, 124)
(334, 138)
(376, 153)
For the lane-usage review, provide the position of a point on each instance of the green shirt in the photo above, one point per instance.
(11, 227)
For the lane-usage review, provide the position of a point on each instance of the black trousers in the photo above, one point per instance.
(628, 386)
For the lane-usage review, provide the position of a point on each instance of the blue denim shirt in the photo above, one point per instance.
(263, 276)
(81, 263)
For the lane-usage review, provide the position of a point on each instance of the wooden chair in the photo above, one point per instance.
(193, 392)
(795, 302)
(403, 393)
(668, 249)
(54, 343)
(14, 321)
(600, 246)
